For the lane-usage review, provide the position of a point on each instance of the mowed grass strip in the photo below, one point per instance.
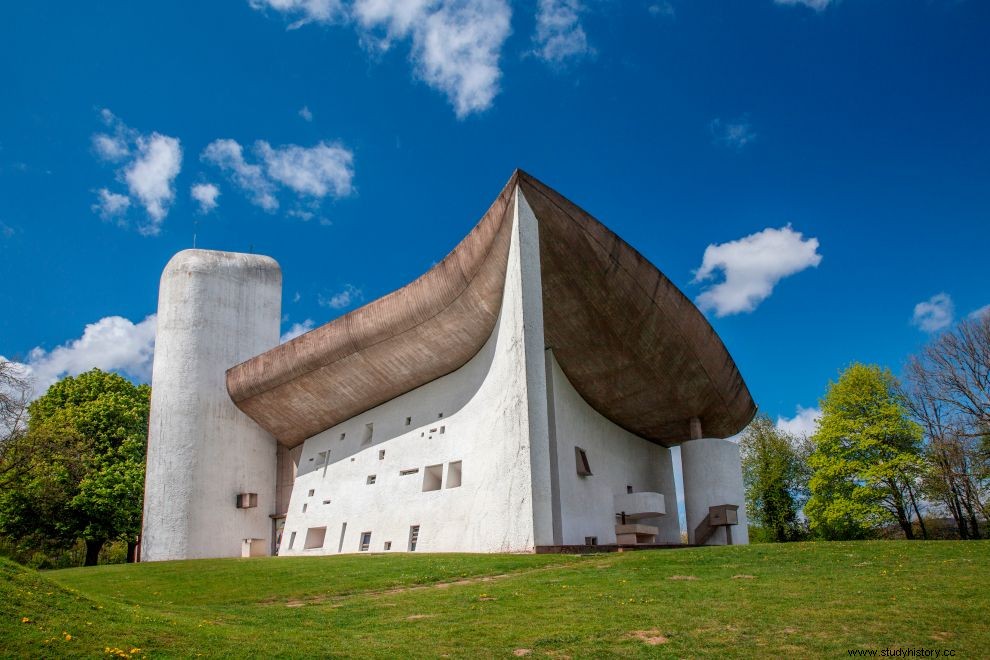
(795, 599)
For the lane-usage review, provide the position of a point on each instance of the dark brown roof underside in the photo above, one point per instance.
(634, 347)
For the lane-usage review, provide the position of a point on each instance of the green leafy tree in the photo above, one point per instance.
(866, 460)
(88, 483)
(775, 477)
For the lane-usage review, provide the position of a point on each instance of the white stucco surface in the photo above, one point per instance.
(215, 309)
(712, 476)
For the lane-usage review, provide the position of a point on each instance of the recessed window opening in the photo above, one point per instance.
(581, 458)
(454, 474)
(304, 508)
(381, 454)
(321, 458)
(343, 531)
(312, 491)
(343, 435)
(591, 540)
(365, 542)
(440, 416)
(413, 538)
(388, 545)
(629, 489)
(406, 473)
(247, 500)
(315, 537)
(369, 432)
(408, 421)
(432, 477)
(292, 540)
(326, 501)
(372, 478)
(443, 429)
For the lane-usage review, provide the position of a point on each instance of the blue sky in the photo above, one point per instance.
(825, 164)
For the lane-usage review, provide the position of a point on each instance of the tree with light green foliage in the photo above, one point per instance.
(866, 459)
(775, 478)
(89, 481)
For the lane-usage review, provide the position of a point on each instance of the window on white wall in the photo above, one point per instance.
(381, 454)
(408, 421)
(372, 478)
(365, 542)
(406, 473)
(292, 540)
(413, 538)
(369, 432)
(315, 536)
(432, 477)
(388, 545)
(581, 458)
(454, 474)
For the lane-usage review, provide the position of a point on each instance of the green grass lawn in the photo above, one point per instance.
(799, 599)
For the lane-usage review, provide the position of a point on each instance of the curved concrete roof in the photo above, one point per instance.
(630, 342)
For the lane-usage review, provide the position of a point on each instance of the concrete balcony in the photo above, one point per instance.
(637, 506)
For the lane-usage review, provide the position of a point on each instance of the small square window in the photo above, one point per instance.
(388, 545)
(312, 491)
(365, 542)
(629, 489)
(581, 458)
(591, 540)
(408, 421)
(432, 477)
(381, 454)
(372, 478)
(443, 429)
(440, 416)
(343, 435)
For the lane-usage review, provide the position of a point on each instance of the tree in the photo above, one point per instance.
(948, 393)
(15, 393)
(866, 461)
(774, 474)
(88, 484)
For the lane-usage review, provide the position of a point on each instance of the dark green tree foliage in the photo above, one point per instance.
(866, 462)
(89, 482)
(774, 474)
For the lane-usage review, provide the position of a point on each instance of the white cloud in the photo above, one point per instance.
(343, 298)
(150, 175)
(664, 9)
(296, 297)
(110, 205)
(935, 313)
(318, 171)
(296, 330)
(559, 35)
(150, 164)
(305, 11)
(113, 344)
(978, 313)
(206, 195)
(817, 5)
(6, 230)
(736, 134)
(228, 155)
(803, 424)
(752, 266)
(306, 113)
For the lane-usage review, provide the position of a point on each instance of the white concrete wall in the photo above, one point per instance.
(215, 309)
(617, 459)
(712, 475)
(491, 408)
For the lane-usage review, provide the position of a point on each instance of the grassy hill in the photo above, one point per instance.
(795, 599)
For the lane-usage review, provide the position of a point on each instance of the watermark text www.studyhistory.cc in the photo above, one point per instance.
(919, 652)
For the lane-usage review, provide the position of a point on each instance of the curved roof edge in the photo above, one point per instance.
(630, 342)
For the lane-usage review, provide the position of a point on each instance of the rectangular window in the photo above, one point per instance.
(454, 474)
(381, 454)
(304, 507)
(591, 540)
(321, 458)
(312, 491)
(581, 458)
(413, 538)
(292, 540)
(315, 537)
(432, 477)
(343, 435)
(369, 432)
(408, 421)
(628, 489)
(365, 542)
(372, 478)
(247, 500)
(388, 545)
(406, 473)
(343, 531)
(443, 429)
(326, 501)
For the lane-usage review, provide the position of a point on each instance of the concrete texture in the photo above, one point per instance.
(214, 309)
(712, 476)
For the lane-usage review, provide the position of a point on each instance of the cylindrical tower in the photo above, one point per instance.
(712, 477)
(215, 310)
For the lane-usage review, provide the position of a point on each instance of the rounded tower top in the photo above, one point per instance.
(216, 261)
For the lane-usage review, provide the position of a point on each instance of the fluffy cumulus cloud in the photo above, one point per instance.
(149, 164)
(455, 45)
(341, 299)
(323, 170)
(817, 5)
(752, 266)
(559, 35)
(735, 134)
(206, 195)
(935, 313)
(803, 424)
(113, 344)
(296, 330)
